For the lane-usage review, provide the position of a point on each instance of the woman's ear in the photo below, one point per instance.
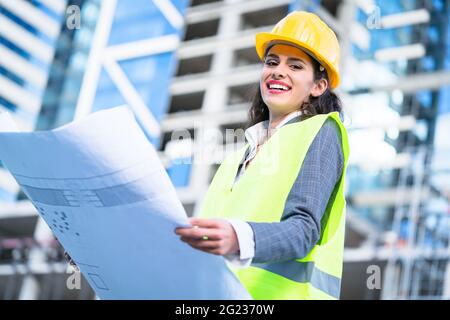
(319, 87)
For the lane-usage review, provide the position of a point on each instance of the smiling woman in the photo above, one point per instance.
(287, 79)
(280, 221)
(298, 69)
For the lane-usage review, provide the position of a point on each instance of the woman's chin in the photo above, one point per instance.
(280, 109)
(278, 104)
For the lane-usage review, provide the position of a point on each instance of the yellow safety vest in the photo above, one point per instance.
(260, 195)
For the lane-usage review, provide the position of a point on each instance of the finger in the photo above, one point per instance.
(184, 227)
(203, 250)
(183, 230)
(200, 233)
(212, 247)
(203, 244)
(215, 251)
(205, 223)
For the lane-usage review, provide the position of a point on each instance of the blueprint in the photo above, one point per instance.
(101, 188)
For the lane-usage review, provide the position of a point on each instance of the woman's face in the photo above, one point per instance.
(287, 79)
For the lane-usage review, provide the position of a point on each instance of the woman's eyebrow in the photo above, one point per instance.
(272, 55)
(289, 59)
(296, 59)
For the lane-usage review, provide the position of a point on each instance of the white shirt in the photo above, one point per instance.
(256, 135)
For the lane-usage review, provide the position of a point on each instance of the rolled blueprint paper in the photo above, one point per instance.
(99, 185)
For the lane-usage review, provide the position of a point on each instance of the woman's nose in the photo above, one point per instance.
(278, 75)
(278, 72)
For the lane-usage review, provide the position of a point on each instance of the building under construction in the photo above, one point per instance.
(192, 66)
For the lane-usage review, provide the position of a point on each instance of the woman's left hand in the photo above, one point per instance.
(216, 236)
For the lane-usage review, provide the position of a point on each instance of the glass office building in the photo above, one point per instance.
(29, 31)
(398, 177)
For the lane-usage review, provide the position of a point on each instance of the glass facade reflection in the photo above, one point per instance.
(29, 33)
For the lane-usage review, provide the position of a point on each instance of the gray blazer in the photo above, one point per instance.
(300, 225)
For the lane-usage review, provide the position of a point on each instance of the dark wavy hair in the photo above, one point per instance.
(323, 104)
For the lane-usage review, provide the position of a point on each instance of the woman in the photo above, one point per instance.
(276, 208)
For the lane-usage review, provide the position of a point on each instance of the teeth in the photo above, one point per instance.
(278, 86)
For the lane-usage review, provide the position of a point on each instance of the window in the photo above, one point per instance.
(176, 135)
(261, 18)
(186, 102)
(194, 65)
(201, 29)
(200, 2)
(233, 132)
(241, 94)
(243, 57)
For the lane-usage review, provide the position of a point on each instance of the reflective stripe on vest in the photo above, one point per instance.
(304, 272)
(260, 195)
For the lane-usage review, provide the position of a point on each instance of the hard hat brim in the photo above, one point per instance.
(263, 39)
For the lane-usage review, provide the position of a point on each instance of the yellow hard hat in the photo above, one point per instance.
(307, 31)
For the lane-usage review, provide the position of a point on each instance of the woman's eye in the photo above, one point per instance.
(296, 67)
(271, 63)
